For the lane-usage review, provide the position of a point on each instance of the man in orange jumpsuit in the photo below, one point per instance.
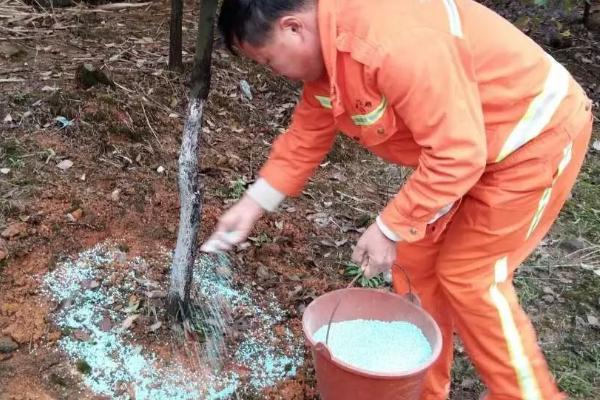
(496, 129)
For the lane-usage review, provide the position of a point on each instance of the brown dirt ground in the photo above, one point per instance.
(122, 135)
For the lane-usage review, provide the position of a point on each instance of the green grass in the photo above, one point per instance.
(575, 358)
(237, 188)
(353, 270)
(581, 214)
(575, 365)
(528, 289)
(11, 153)
(463, 371)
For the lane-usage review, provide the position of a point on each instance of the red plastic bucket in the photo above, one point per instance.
(337, 380)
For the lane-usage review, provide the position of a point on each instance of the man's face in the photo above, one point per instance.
(292, 50)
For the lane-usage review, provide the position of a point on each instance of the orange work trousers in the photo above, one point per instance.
(462, 271)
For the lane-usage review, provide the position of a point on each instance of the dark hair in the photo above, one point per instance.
(251, 21)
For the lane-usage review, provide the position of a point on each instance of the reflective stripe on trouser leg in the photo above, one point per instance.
(545, 199)
(527, 380)
(497, 333)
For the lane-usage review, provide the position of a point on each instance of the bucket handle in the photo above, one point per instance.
(330, 321)
(410, 296)
(357, 277)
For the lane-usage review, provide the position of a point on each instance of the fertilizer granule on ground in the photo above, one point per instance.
(117, 362)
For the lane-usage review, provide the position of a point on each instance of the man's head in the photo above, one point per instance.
(282, 34)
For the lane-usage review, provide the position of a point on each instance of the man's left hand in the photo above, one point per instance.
(374, 252)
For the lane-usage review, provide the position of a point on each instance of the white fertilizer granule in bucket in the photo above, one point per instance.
(376, 346)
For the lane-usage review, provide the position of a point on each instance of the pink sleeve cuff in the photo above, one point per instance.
(265, 195)
(387, 231)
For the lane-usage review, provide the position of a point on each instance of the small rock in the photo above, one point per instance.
(548, 298)
(115, 195)
(65, 304)
(7, 345)
(81, 335)
(129, 321)
(89, 76)
(64, 165)
(246, 90)
(262, 272)
(106, 324)
(8, 119)
(155, 326)
(596, 145)
(547, 290)
(572, 245)
(90, 284)
(4, 171)
(160, 169)
(593, 321)
(16, 229)
(75, 215)
(3, 255)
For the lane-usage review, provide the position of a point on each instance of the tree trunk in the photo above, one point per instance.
(587, 4)
(591, 17)
(190, 196)
(175, 34)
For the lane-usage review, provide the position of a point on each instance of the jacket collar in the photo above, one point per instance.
(327, 20)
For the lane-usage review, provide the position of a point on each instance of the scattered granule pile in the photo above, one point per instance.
(377, 346)
(116, 365)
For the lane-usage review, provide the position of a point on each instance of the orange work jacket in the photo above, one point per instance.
(446, 86)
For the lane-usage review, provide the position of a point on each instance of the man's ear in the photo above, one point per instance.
(291, 22)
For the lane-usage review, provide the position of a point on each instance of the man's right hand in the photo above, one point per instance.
(234, 226)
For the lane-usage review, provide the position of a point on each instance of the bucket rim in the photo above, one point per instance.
(435, 351)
